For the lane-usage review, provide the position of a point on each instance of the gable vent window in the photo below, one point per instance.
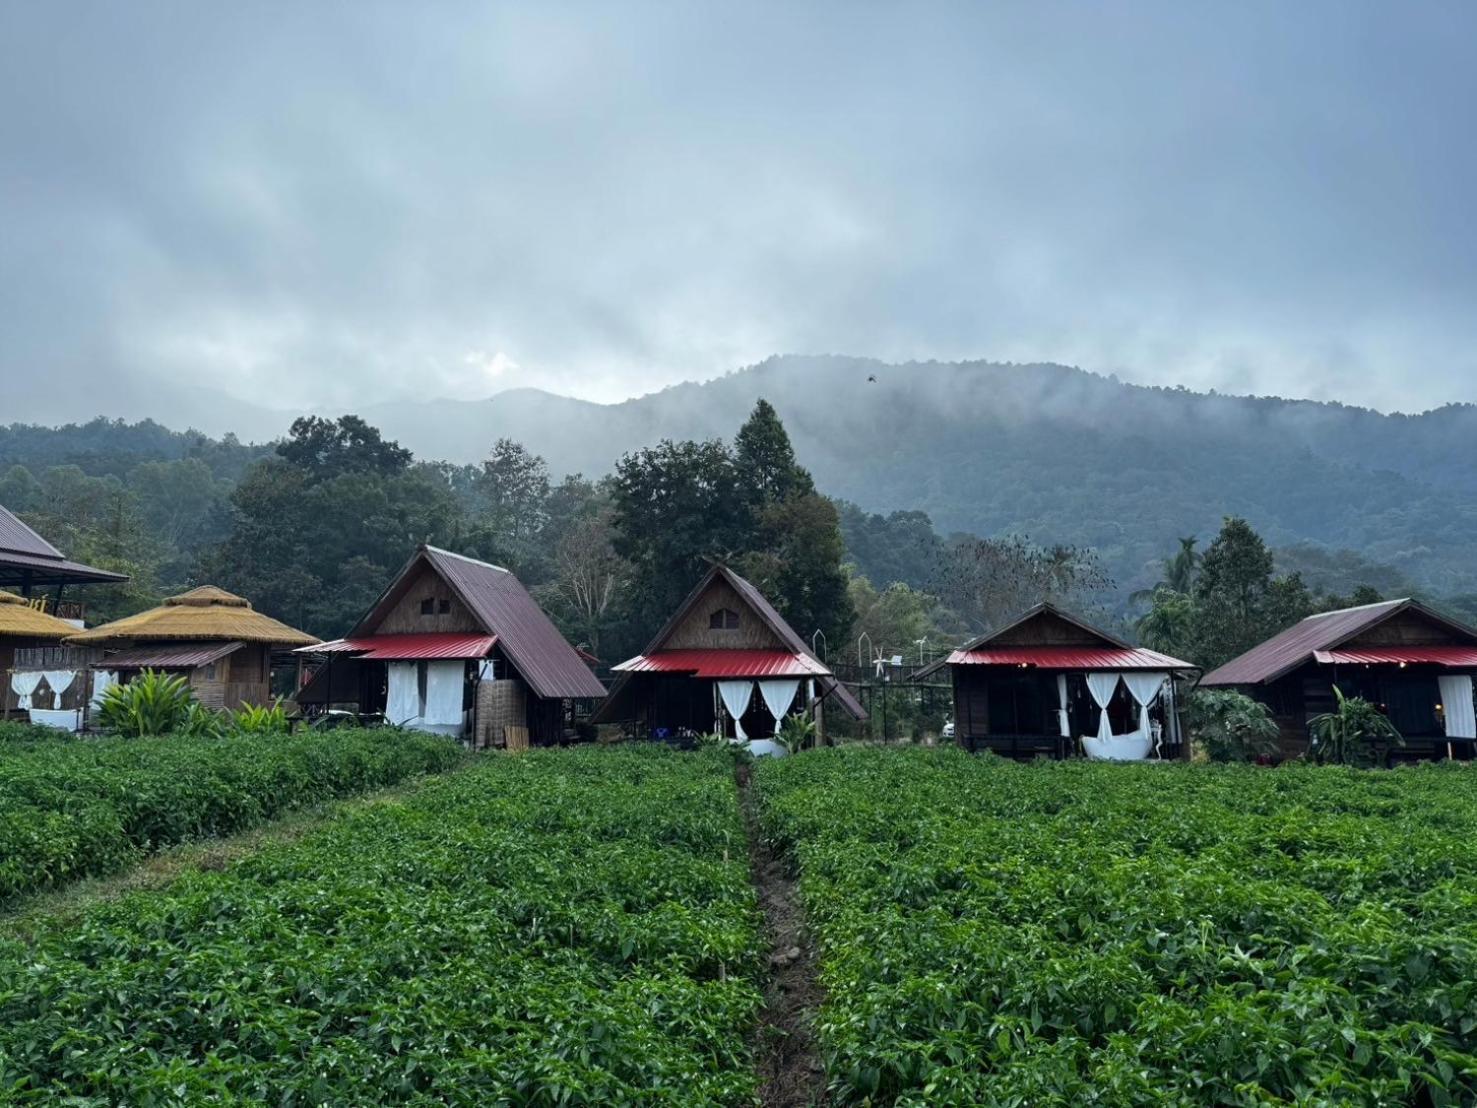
(724, 619)
(443, 606)
(428, 607)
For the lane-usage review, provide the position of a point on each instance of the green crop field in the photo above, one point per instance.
(1122, 935)
(564, 927)
(71, 808)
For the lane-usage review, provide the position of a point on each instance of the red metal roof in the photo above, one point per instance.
(1289, 649)
(1067, 657)
(168, 657)
(1395, 655)
(418, 646)
(726, 663)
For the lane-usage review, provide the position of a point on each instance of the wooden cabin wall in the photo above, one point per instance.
(971, 703)
(406, 618)
(248, 676)
(1047, 629)
(74, 697)
(693, 633)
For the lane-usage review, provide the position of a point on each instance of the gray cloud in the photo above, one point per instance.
(340, 205)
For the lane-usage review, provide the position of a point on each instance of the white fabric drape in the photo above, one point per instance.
(1456, 705)
(1063, 722)
(23, 685)
(102, 681)
(444, 687)
(1145, 688)
(736, 696)
(60, 681)
(403, 697)
(778, 696)
(1102, 686)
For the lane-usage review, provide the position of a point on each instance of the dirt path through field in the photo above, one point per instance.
(790, 1070)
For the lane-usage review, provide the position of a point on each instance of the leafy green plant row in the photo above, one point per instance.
(564, 927)
(84, 809)
(1065, 933)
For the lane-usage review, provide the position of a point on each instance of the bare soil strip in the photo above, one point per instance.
(790, 1071)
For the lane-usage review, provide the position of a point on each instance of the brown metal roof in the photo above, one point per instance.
(503, 607)
(766, 611)
(169, 657)
(26, 556)
(1289, 649)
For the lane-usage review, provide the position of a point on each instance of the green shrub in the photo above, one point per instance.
(254, 719)
(153, 703)
(1354, 733)
(1230, 726)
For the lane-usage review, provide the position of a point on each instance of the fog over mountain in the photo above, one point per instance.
(1047, 451)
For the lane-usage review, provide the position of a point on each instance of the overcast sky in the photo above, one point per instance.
(330, 204)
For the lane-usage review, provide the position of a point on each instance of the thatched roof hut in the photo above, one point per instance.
(19, 620)
(215, 637)
(206, 613)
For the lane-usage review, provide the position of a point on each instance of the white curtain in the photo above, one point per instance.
(778, 696)
(60, 681)
(1145, 688)
(1456, 705)
(403, 699)
(444, 682)
(23, 685)
(102, 681)
(1062, 715)
(736, 696)
(1102, 686)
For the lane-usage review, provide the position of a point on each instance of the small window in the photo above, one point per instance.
(428, 607)
(724, 619)
(444, 607)
(210, 672)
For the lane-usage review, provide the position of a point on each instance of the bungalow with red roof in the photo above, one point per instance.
(457, 647)
(1411, 661)
(727, 662)
(1048, 684)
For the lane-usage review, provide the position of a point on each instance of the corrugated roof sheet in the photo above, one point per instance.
(23, 552)
(1396, 655)
(726, 663)
(1291, 648)
(771, 617)
(18, 538)
(1068, 657)
(504, 608)
(169, 657)
(408, 647)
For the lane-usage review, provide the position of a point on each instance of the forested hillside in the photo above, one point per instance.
(1048, 451)
(915, 454)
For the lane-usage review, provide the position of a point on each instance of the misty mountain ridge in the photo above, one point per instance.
(1045, 450)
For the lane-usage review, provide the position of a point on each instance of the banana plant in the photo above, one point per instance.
(1354, 733)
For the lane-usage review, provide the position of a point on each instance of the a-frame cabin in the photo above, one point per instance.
(725, 662)
(1049, 684)
(458, 647)
(1412, 662)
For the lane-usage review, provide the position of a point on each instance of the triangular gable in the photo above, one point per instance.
(491, 599)
(1042, 625)
(716, 597)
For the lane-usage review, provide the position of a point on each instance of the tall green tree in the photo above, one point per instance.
(1238, 600)
(766, 458)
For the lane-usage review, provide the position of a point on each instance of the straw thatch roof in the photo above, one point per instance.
(19, 619)
(203, 613)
